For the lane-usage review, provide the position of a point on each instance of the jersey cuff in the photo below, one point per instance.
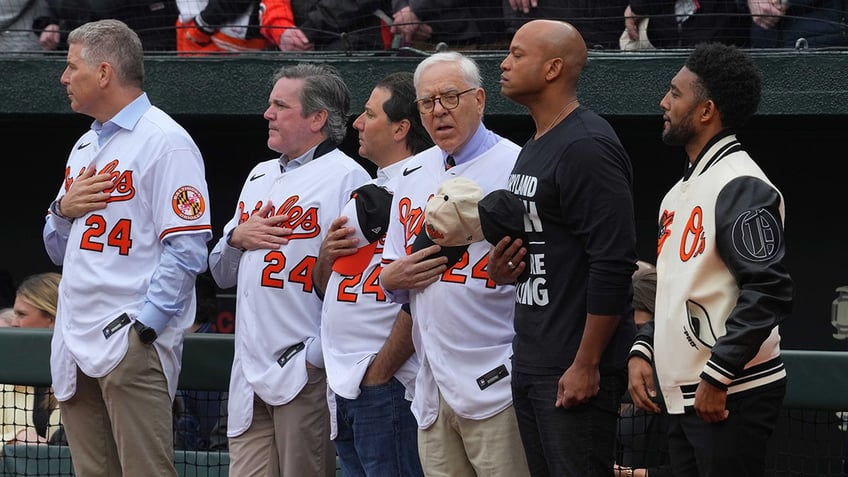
(230, 236)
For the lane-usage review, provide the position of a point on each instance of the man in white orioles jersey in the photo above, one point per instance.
(278, 419)
(367, 339)
(129, 226)
(462, 321)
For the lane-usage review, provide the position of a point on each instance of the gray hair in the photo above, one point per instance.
(111, 41)
(323, 88)
(468, 67)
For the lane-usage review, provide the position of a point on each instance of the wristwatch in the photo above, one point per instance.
(54, 209)
(147, 334)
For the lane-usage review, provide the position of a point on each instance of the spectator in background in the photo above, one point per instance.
(7, 317)
(58, 19)
(152, 20)
(462, 322)
(460, 24)
(685, 23)
(35, 301)
(780, 24)
(368, 350)
(599, 21)
(573, 308)
(277, 26)
(30, 414)
(214, 26)
(16, 17)
(644, 292)
(324, 25)
(722, 285)
(278, 418)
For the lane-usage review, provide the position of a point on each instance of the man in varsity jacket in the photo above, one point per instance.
(722, 287)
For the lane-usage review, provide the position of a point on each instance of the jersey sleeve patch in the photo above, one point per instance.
(188, 203)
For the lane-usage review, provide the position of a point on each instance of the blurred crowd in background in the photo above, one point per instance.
(201, 27)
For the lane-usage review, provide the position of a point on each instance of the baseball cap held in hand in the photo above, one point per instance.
(502, 214)
(451, 219)
(368, 213)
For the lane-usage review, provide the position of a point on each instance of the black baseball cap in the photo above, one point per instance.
(502, 214)
(368, 213)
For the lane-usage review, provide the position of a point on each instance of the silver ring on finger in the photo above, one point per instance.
(510, 265)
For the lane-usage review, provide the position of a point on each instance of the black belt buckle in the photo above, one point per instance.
(115, 325)
(492, 377)
(289, 353)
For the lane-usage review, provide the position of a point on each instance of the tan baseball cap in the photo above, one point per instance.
(451, 219)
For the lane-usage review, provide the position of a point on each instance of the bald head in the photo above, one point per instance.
(556, 39)
(544, 64)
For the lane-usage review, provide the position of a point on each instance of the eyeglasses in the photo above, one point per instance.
(448, 101)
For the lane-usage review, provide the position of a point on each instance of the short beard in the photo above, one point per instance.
(679, 135)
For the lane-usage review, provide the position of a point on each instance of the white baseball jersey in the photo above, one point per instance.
(278, 313)
(111, 254)
(357, 318)
(462, 324)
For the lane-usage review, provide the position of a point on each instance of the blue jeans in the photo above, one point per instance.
(377, 433)
(573, 442)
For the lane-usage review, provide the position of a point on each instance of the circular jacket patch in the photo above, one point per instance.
(188, 203)
(756, 235)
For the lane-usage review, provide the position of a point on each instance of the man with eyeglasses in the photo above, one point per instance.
(462, 321)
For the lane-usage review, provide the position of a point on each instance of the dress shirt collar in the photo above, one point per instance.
(126, 118)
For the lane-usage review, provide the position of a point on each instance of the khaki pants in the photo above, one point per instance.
(292, 440)
(121, 424)
(456, 447)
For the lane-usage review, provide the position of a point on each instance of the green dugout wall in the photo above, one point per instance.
(816, 378)
(807, 441)
(797, 137)
(614, 83)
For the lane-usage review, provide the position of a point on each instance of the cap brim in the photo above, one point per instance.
(357, 262)
(454, 254)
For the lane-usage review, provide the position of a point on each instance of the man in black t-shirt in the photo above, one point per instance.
(573, 312)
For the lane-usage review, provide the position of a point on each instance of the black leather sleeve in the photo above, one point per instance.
(752, 243)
